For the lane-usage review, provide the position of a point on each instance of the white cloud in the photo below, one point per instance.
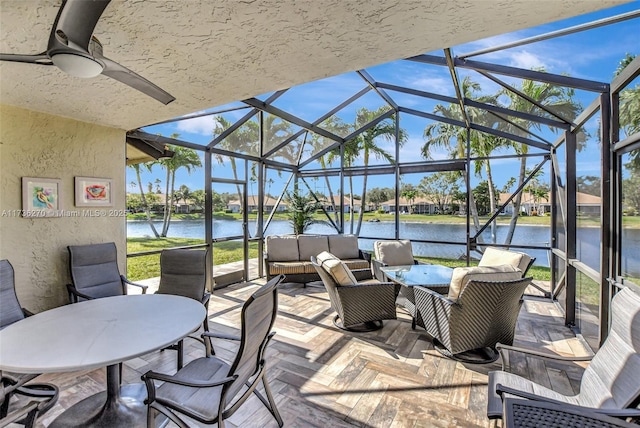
(200, 125)
(437, 84)
(527, 60)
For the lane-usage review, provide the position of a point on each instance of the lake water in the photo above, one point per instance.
(588, 238)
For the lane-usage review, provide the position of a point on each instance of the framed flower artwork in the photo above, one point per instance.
(93, 192)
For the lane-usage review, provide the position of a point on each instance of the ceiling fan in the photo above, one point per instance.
(74, 50)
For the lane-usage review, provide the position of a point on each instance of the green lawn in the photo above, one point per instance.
(537, 272)
(143, 267)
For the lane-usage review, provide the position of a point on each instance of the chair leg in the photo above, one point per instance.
(273, 409)
(180, 348)
(208, 345)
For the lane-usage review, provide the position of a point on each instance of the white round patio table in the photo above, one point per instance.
(98, 333)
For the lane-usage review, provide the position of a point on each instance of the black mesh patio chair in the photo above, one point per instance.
(360, 306)
(94, 272)
(611, 382)
(13, 385)
(183, 273)
(484, 313)
(208, 389)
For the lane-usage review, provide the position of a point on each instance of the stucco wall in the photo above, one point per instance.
(39, 145)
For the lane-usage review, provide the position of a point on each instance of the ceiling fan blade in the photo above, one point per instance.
(77, 19)
(122, 74)
(29, 59)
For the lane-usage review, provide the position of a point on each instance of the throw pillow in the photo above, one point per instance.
(336, 268)
(462, 275)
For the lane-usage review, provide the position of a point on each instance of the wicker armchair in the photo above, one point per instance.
(391, 253)
(610, 384)
(362, 306)
(484, 313)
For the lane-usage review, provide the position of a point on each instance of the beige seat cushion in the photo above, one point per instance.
(462, 275)
(312, 245)
(493, 256)
(336, 268)
(283, 248)
(344, 246)
(394, 253)
(276, 268)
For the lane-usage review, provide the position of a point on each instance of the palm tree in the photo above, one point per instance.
(337, 126)
(630, 112)
(241, 140)
(557, 98)
(183, 158)
(276, 130)
(302, 211)
(454, 139)
(366, 145)
(349, 157)
(145, 205)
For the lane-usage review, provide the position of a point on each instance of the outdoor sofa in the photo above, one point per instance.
(290, 255)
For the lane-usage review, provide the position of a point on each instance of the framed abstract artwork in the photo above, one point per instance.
(93, 192)
(41, 197)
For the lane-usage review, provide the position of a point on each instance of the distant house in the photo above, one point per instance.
(328, 207)
(421, 205)
(586, 204)
(252, 204)
(181, 207)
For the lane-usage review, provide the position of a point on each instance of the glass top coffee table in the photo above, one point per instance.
(434, 277)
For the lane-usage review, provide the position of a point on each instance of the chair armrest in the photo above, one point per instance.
(205, 299)
(377, 272)
(29, 408)
(618, 413)
(435, 296)
(367, 284)
(220, 336)
(126, 281)
(501, 390)
(505, 349)
(176, 379)
(74, 294)
(149, 377)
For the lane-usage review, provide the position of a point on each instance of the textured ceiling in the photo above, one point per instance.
(208, 53)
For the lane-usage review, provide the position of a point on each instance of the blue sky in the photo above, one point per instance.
(592, 54)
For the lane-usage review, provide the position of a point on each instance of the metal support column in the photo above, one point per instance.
(245, 222)
(553, 239)
(397, 176)
(467, 180)
(571, 225)
(342, 188)
(260, 220)
(208, 217)
(606, 215)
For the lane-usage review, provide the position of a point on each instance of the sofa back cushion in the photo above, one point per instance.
(394, 253)
(336, 268)
(462, 275)
(493, 256)
(311, 245)
(282, 248)
(344, 246)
